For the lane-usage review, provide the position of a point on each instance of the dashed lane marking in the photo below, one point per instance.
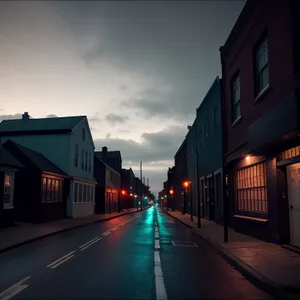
(14, 289)
(60, 259)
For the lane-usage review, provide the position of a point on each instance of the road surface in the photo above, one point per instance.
(144, 255)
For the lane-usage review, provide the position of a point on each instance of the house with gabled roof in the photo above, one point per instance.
(68, 143)
(9, 166)
(38, 187)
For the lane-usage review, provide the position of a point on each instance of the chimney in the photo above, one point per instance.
(104, 151)
(25, 116)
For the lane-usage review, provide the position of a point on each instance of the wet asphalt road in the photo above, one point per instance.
(125, 258)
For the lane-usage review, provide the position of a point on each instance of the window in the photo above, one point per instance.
(92, 193)
(8, 191)
(86, 161)
(80, 197)
(82, 159)
(295, 151)
(52, 190)
(84, 193)
(252, 190)
(215, 116)
(83, 134)
(76, 156)
(90, 162)
(236, 98)
(44, 189)
(261, 66)
(76, 192)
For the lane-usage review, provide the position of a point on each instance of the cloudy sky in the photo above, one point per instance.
(137, 69)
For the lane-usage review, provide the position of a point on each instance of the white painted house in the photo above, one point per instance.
(68, 143)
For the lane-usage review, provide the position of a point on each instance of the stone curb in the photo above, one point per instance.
(262, 282)
(63, 230)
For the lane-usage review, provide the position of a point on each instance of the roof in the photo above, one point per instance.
(43, 124)
(6, 159)
(38, 159)
(106, 165)
(111, 158)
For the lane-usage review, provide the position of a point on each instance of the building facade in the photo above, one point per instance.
(180, 159)
(208, 126)
(261, 104)
(39, 187)
(107, 189)
(9, 166)
(68, 143)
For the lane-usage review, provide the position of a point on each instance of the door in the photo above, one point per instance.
(293, 180)
(211, 199)
(218, 194)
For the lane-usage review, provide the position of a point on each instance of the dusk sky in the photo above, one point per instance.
(137, 69)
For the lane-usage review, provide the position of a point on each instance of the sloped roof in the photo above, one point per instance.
(111, 158)
(6, 159)
(38, 159)
(43, 124)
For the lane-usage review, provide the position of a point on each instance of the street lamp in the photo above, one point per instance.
(171, 194)
(186, 185)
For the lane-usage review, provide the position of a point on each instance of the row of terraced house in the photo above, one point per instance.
(243, 148)
(50, 170)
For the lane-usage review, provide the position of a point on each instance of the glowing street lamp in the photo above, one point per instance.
(131, 194)
(123, 192)
(186, 184)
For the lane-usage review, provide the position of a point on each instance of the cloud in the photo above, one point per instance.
(114, 119)
(52, 116)
(10, 117)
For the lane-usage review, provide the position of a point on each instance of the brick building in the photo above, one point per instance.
(261, 104)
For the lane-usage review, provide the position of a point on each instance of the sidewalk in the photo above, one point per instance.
(274, 269)
(15, 236)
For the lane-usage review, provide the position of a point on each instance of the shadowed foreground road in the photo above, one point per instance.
(141, 256)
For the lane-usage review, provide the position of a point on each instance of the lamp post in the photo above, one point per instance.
(186, 185)
(171, 192)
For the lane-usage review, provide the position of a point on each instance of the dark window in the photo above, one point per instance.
(86, 161)
(83, 134)
(90, 162)
(261, 66)
(82, 159)
(76, 156)
(236, 98)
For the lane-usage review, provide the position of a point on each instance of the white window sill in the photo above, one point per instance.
(262, 93)
(236, 121)
(8, 206)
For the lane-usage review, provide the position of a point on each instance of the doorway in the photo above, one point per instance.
(293, 182)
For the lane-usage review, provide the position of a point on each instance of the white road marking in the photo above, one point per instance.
(157, 244)
(90, 244)
(157, 258)
(156, 228)
(115, 228)
(105, 233)
(62, 261)
(14, 289)
(161, 293)
(158, 271)
(156, 235)
(58, 260)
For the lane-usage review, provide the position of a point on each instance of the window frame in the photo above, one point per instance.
(76, 156)
(258, 74)
(82, 159)
(83, 134)
(10, 204)
(244, 204)
(234, 102)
